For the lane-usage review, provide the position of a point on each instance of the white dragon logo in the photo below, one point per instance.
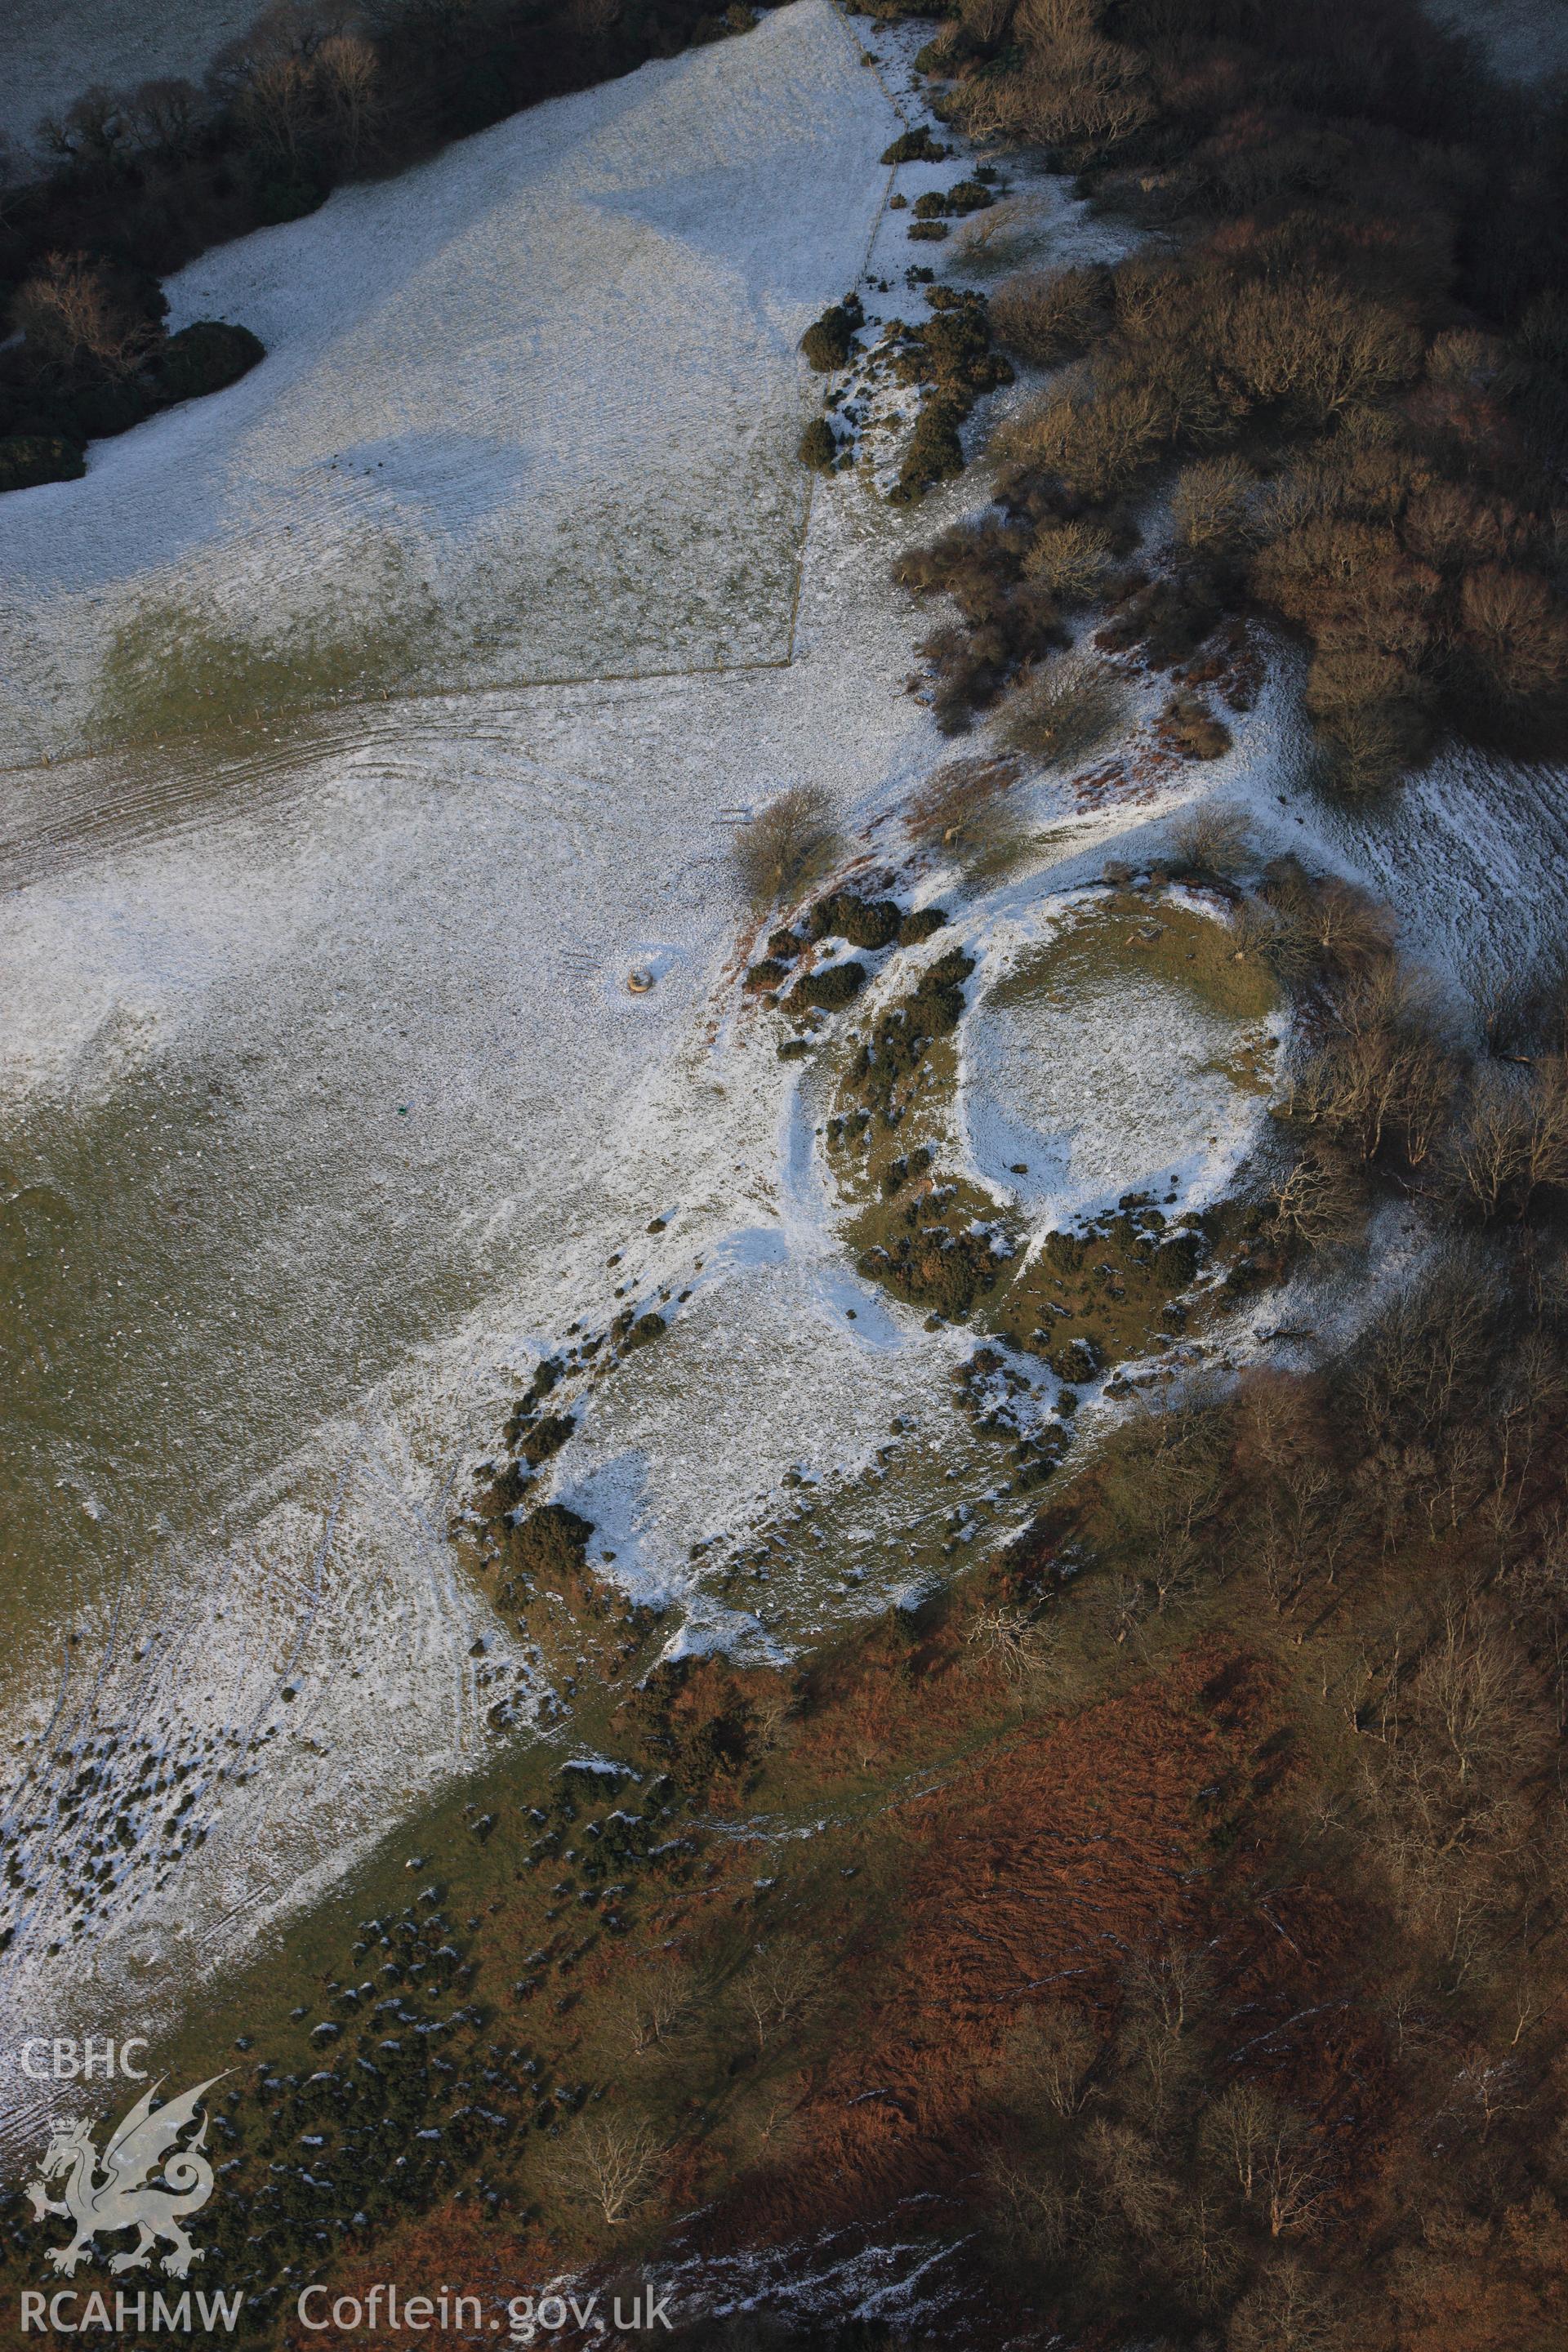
(124, 2198)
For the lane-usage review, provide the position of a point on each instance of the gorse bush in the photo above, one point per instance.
(917, 146)
(1351, 336)
(818, 446)
(935, 453)
(952, 354)
(205, 357)
(829, 340)
(28, 460)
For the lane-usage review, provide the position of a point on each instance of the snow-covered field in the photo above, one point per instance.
(1525, 41)
(51, 54)
(527, 411)
(1112, 1088)
(325, 1093)
(325, 1105)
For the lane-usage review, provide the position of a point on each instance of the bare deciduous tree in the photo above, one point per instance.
(1319, 1201)
(1328, 924)
(1047, 2059)
(1486, 2088)
(1066, 712)
(348, 82)
(1037, 2214)
(166, 115)
(780, 1984)
(93, 130)
(611, 2164)
(1077, 87)
(1165, 1991)
(1416, 1371)
(71, 317)
(786, 845)
(1268, 2149)
(1207, 2256)
(1287, 2310)
(1130, 2180)
(277, 105)
(1512, 1138)
(961, 803)
(1212, 838)
(1317, 346)
(660, 2007)
(1209, 505)
(1048, 316)
(1020, 1643)
(1385, 1073)
(1465, 1689)
(1069, 560)
(1160, 1492)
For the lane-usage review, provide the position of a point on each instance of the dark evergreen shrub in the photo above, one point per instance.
(28, 460)
(818, 446)
(549, 1543)
(935, 453)
(92, 411)
(278, 201)
(915, 147)
(205, 357)
(828, 341)
(829, 991)
(870, 923)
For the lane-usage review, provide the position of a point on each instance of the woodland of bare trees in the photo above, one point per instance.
(1341, 345)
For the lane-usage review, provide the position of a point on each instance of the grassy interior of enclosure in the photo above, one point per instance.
(1112, 1286)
